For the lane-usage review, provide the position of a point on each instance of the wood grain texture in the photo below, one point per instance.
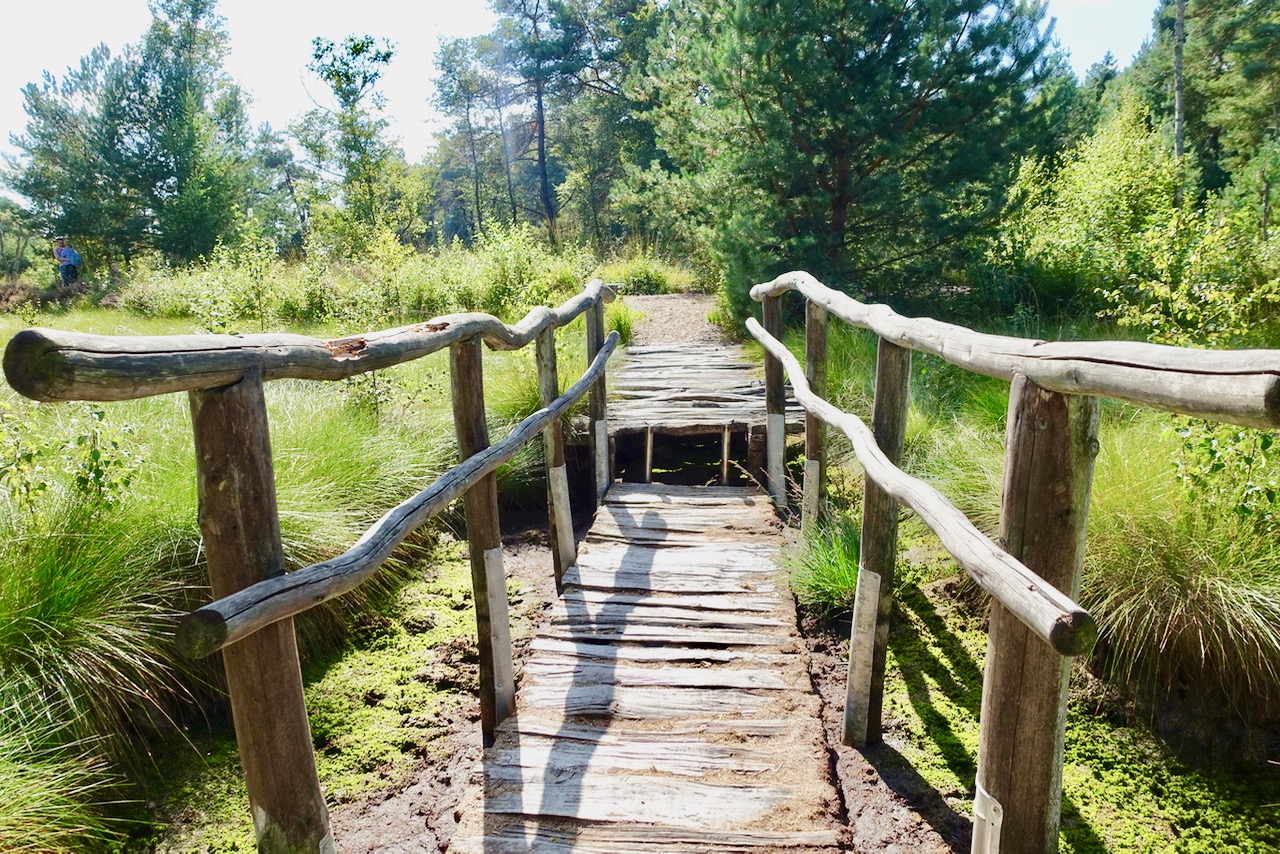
(692, 389)
(673, 712)
(47, 364)
(241, 537)
(880, 511)
(1050, 450)
(1051, 615)
(1236, 386)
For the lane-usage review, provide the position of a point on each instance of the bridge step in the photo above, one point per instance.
(667, 702)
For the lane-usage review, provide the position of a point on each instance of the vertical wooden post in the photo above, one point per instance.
(596, 402)
(724, 455)
(648, 455)
(1052, 441)
(489, 582)
(879, 544)
(775, 408)
(559, 512)
(815, 430)
(235, 482)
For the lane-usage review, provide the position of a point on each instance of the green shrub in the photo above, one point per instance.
(621, 318)
(1183, 581)
(823, 569)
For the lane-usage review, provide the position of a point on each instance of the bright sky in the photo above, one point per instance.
(271, 46)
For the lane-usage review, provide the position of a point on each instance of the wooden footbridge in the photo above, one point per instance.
(666, 703)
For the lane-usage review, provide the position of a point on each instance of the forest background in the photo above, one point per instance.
(942, 157)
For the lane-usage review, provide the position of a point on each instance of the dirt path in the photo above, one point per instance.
(673, 318)
(886, 807)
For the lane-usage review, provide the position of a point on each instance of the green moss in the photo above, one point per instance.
(1123, 790)
(374, 709)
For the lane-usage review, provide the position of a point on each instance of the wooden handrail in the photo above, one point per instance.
(1240, 386)
(1050, 614)
(229, 619)
(48, 364)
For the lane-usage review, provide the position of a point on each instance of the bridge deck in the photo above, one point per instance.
(667, 702)
(689, 388)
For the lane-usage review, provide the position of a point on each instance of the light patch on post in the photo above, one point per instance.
(564, 519)
(862, 644)
(504, 680)
(812, 497)
(602, 457)
(776, 443)
(988, 815)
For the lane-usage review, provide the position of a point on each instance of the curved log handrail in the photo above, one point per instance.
(1239, 386)
(1049, 613)
(49, 365)
(233, 617)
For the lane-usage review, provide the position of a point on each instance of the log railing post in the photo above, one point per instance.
(775, 408)
(815, 429)
(1051, 444)
(497, 680)
(879, 554)
(240, 526)
(596, 402)
(559, 514)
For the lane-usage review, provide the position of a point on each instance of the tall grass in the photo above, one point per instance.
(98, 558)
(823, 570)
(1184, 583)
(1186, 592)
(47, 793)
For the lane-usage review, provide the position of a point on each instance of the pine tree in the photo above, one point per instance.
(857, 141)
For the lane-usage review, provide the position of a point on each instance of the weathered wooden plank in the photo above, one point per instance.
(614, 652)
(670, 732)
(667, 581)
(700, 559)
(634, 798)
(737, 603)
(509, 835)
(610, 614)
(561, 672)
(642, 703)
(663, 635)
(579, 751)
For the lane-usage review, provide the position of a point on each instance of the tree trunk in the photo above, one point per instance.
(475, 170)
(1179, 104)
(544, 177)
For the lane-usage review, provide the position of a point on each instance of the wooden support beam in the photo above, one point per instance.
(725, 436)
(559, 512)
(497, 680)
(879, 554)
(596, 406)
(815, 429)
(1052, 441)
(240, 525)
(648, 455)
(775, 409)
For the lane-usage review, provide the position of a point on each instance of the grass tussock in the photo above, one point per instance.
(99, 541)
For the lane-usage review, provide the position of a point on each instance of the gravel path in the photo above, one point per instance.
(673, 318)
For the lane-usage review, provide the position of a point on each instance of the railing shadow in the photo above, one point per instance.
(596, 632)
